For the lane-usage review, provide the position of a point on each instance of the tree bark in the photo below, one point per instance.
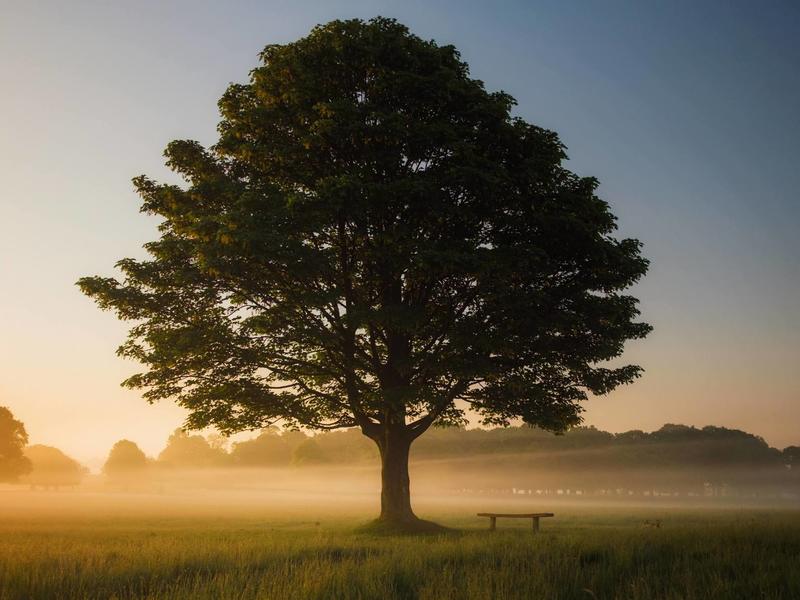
(394, 445)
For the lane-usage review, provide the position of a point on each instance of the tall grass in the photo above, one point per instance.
(581, 555)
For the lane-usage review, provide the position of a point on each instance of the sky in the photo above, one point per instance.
(686, 112)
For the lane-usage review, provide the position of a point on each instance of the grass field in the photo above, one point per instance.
(81, 546)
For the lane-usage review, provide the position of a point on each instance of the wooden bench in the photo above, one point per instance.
(533, 516)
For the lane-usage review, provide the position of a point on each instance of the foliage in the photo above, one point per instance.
(346, 446)
(193, 451)
(125, 459)
(52, 468)
(373, 237)
(308, 453)
(13, 438)
(674, 458)
(670, 445)
(268, 449)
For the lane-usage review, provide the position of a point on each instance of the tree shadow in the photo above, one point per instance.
(417, 527)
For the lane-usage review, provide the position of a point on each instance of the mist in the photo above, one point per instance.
(311, 491)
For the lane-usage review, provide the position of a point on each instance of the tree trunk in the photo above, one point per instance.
(394, 447)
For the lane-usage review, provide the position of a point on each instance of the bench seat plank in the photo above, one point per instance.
(517, 515)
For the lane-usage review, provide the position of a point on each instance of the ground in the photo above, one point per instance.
(77, 545)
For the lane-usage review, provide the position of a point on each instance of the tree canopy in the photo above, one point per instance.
(375, 241)
(52, 468)
(185, 450)
(125, 459)
(13, 438)
(269, 448)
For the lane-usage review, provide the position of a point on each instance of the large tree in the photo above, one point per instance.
(13, 439)
(375, 242)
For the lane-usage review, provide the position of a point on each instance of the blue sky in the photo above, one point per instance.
(685, 111)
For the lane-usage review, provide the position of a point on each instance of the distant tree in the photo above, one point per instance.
(269, 449)
(346, 446)
(13, 438)
(126, 459)
(191, 451)
(52, 468)
(633, 436)
(218, 442)
(374, 238)
(308, 453)
(293, 437)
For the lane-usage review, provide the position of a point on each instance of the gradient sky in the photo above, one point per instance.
(685, 111)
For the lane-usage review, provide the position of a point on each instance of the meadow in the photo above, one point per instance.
(196, 546)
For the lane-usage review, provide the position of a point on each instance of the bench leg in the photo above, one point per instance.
(492, 523)
(535, 524)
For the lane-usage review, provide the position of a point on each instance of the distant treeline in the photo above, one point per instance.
(670, 446)
(674, 456)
